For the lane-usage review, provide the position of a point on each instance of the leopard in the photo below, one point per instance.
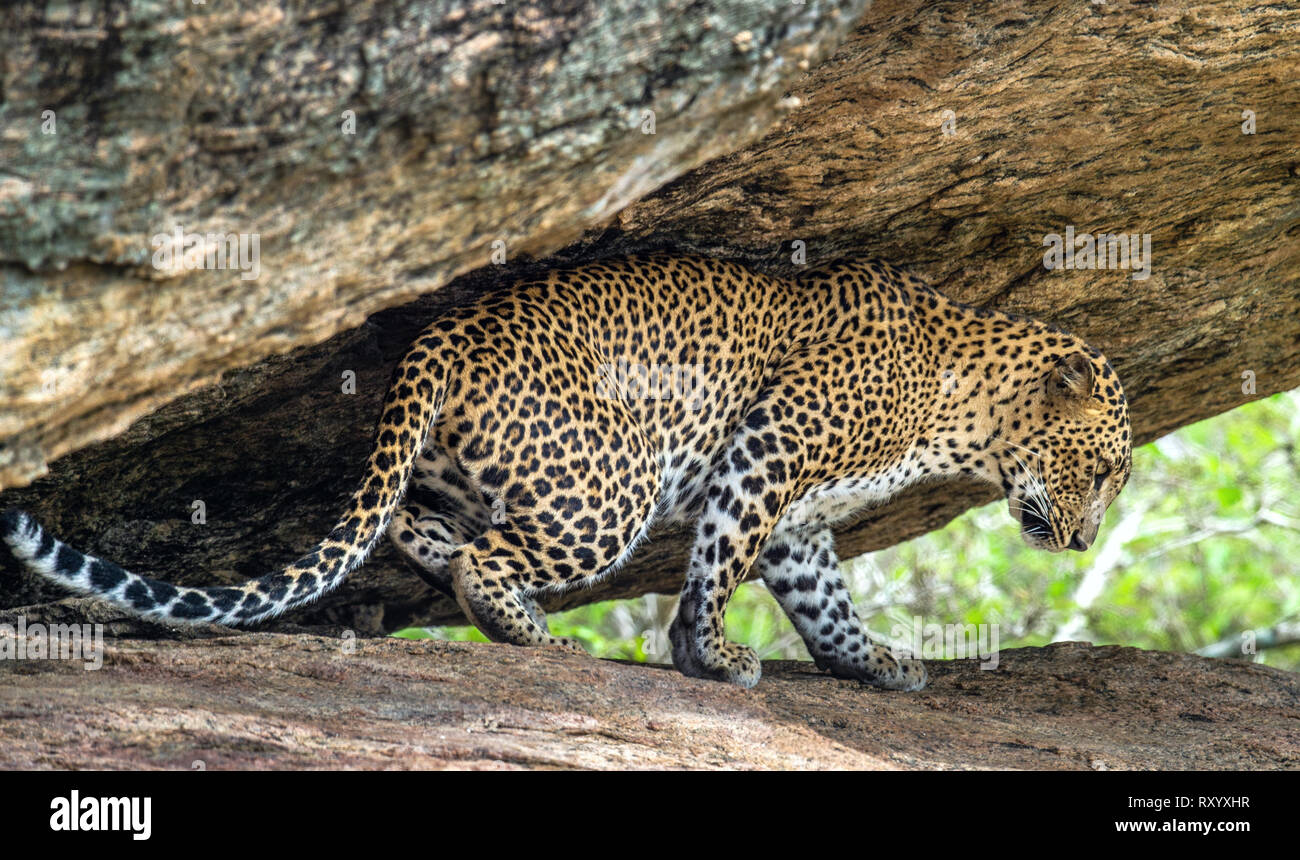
(517, 457)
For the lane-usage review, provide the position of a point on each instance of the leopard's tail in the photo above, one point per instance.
(410, 408)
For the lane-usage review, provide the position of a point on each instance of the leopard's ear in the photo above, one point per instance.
(1072, 376)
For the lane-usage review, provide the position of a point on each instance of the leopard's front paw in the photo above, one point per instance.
(735, 664)
(727, 661)
(878, 667)
(567, 642)
(909, 675)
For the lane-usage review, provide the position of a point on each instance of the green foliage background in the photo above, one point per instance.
(1201, 546)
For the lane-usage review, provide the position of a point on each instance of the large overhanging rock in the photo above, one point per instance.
(373, 150)
(1090, 118)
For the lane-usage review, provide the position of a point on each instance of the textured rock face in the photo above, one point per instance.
(1084, 119)
(374, 150)
(264, 701)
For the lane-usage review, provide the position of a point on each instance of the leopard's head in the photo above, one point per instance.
(1066, 448)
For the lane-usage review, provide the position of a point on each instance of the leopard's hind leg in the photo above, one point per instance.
(441, 513)
(484, 575)
(564, 524)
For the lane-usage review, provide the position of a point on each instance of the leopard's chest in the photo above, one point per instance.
(842, 498)
(824, 505)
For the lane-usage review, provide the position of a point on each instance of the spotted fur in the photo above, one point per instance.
(506, 465)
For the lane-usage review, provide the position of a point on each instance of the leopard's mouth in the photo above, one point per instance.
(1035, 524)
(1035, 528)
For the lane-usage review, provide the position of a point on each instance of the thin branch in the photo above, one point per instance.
(1279, 635)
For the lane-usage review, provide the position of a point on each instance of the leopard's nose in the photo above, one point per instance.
(1077, 543)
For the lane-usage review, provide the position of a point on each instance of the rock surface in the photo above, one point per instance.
(268, 701)
(1107, 117)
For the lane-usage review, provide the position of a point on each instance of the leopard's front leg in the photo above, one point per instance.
(803, 574)
(747, 489)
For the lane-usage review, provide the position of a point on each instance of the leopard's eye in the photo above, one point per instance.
(1099, 477)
